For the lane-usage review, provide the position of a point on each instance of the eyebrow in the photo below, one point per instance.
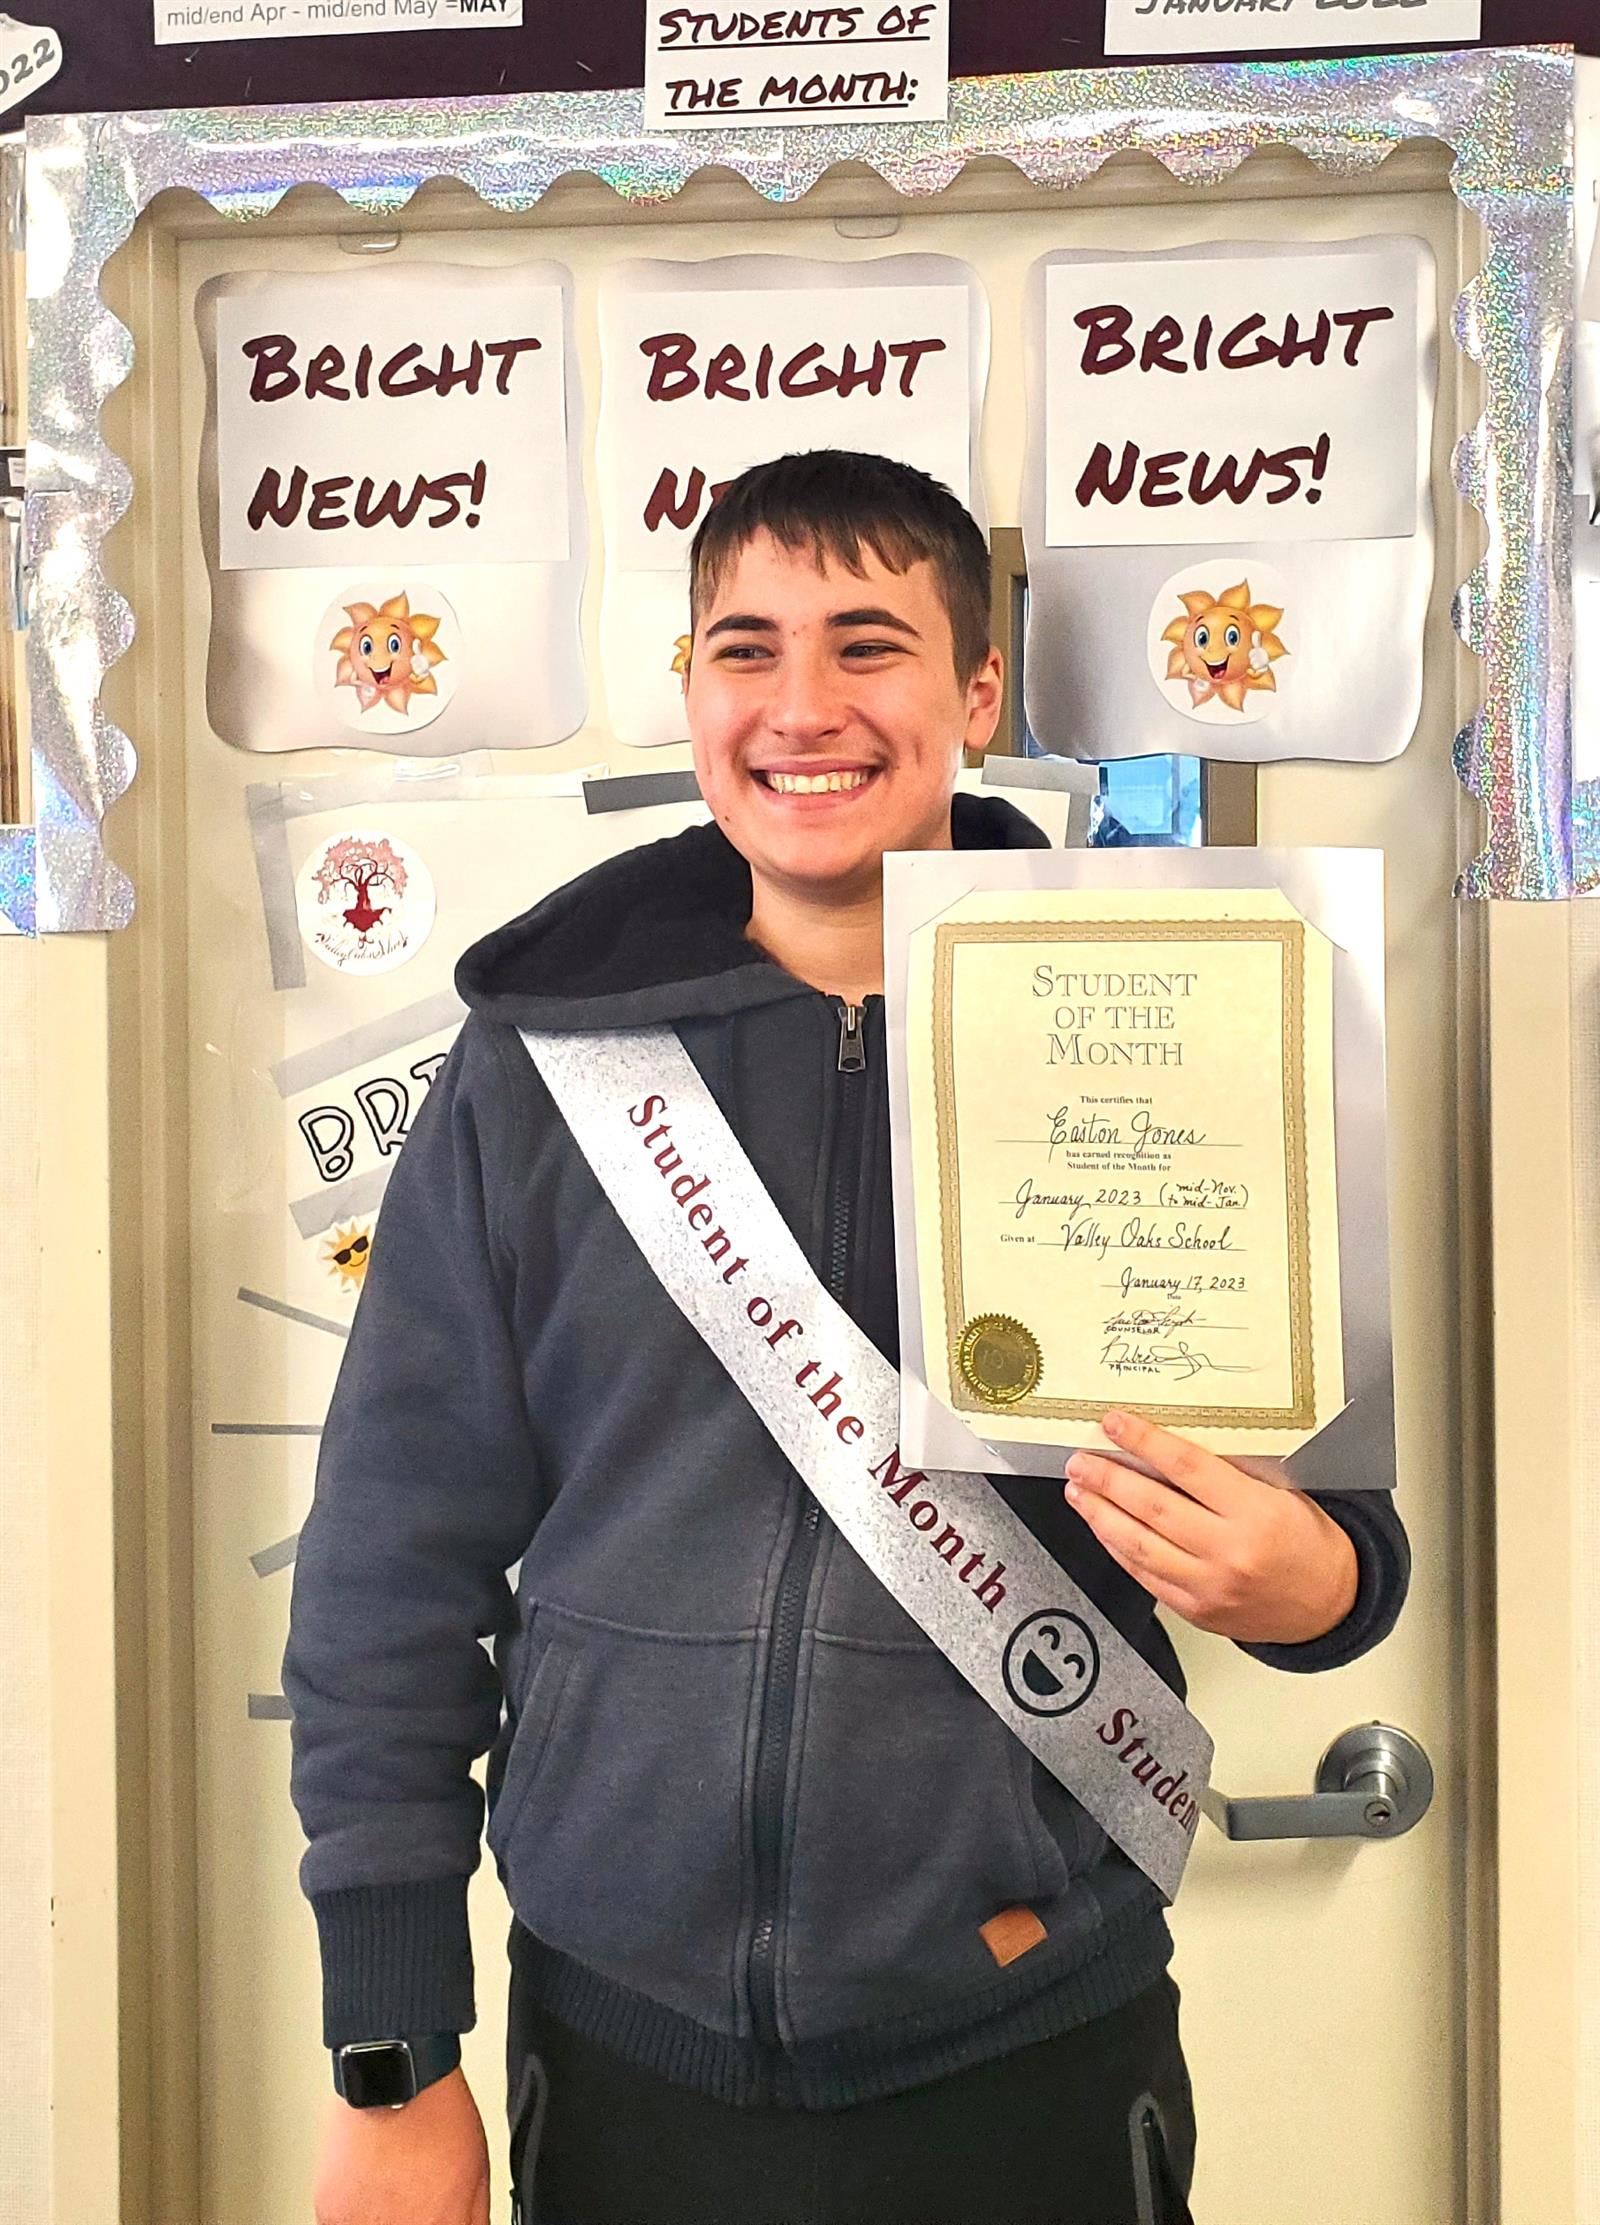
(747, 622)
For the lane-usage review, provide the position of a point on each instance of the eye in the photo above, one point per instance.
(1232, 637)
(1202, 637)
(366, 645)
(394, 644)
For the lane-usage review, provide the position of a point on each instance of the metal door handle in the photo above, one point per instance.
(1374, 1782)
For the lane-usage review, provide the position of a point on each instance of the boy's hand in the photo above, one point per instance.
(425, 2164)
(1246, 1559)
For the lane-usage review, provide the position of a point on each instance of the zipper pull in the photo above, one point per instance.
(852, 1042)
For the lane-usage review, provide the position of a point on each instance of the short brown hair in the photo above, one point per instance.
(832, 501)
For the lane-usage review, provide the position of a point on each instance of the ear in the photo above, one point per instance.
(985, 695)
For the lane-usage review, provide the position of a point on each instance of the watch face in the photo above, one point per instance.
(378, 2074)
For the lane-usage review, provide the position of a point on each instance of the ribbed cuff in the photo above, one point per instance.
(1383, 1574)
(396, 1960)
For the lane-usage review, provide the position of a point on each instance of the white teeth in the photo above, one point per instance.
(815, 784)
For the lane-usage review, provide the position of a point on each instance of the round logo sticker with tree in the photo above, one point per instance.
(365, 901)
(388, 658)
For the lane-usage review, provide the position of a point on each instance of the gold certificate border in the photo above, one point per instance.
(1289, 935)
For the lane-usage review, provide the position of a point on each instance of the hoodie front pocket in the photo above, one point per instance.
(538, 1720)
(914, 1827)
(622, 1841)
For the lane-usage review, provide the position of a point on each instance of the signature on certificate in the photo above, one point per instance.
(1177, 1360)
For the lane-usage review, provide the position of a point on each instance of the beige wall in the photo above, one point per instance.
(24, 1635)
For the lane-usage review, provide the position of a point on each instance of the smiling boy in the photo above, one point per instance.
(801, 1930)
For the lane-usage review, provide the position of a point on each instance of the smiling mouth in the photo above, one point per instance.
(834, 783)
(380, 675)
(1217, 671)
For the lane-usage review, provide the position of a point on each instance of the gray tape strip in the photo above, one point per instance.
(266, 1429)
(363, 1193)
(1042, 772)
(273, 1557)
(265, 802)
(270, 1707)
(376, 1039)
(633, 791)
(291, 1313)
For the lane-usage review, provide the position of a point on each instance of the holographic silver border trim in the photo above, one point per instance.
(1506, 115)
(18, 859)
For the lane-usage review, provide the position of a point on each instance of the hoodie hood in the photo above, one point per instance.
(658, 935)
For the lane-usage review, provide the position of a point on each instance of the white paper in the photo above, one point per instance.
(473, 475)
(677, 450)
(1172, 416)
(1273, 26)
(30, 55)
(203, 22)
(667, 441)
(716, 66)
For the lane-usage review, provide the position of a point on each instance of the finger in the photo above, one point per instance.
(1202, 1475)
(1152, 1560)
(1170, 1513)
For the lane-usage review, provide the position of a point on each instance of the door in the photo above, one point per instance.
(1325, 1985)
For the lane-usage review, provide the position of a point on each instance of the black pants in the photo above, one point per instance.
(1094, 2128)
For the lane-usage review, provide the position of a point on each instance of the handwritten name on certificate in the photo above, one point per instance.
(1123, 1148)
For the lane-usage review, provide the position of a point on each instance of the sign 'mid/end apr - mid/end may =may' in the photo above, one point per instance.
(203, 22)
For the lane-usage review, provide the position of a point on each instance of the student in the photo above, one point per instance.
(802, 1931)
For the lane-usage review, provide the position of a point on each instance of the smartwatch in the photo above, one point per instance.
(386, 2074)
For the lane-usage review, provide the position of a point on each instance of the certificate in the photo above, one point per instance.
(1122, 1136)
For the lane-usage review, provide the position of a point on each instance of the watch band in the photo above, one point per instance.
(386, 2074)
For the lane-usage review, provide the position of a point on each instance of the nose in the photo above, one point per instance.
(807, 703)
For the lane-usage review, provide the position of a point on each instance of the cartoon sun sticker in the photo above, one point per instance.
(681, 650)
(347, 1252)
(1225, 646)
(387, 653)
(388, 659)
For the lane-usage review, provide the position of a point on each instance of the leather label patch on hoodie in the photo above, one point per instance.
(1011, 1934)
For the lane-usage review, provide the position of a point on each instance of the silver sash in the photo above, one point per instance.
(1028, 1640)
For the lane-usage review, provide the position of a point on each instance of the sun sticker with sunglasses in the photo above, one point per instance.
(346, 1253)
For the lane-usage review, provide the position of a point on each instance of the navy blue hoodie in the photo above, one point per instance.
(752, 1817)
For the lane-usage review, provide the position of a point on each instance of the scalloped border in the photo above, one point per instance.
(1506, 115)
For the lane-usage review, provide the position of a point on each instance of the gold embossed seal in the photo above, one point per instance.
(999, 1358)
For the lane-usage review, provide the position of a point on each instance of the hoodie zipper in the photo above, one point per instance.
(794, 1585)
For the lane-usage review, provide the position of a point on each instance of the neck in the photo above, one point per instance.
(833, 942)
